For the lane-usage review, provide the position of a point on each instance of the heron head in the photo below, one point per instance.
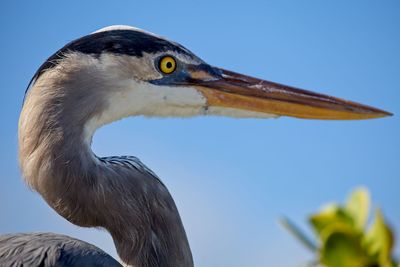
(139, 73)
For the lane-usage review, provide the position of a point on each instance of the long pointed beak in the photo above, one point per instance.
(223, 88)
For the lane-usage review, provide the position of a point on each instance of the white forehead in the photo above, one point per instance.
(125, 27)
(184, 58)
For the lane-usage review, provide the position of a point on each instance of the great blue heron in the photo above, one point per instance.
(116, 72)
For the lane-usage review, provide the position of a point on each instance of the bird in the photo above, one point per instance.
(113, 73)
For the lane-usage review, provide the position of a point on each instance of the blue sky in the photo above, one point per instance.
(231, 179)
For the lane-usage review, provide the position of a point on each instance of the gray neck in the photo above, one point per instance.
(129, 201)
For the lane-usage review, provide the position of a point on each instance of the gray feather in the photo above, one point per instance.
(48, 250)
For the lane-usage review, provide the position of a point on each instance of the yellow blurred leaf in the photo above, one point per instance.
(358, 207)
(379, 240)
(342, 248)
(330, 215)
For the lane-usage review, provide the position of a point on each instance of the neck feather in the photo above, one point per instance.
(120, 195)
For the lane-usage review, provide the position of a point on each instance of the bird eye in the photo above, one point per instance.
(167, 64)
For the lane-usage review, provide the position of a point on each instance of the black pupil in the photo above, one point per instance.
(169, 65)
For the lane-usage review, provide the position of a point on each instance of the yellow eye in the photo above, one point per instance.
(167, 64)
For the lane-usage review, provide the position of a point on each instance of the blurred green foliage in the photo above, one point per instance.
(343, 237)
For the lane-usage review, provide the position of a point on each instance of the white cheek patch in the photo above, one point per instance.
(167, 101)
(133, 98)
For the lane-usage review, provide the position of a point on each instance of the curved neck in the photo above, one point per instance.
(122, 197)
